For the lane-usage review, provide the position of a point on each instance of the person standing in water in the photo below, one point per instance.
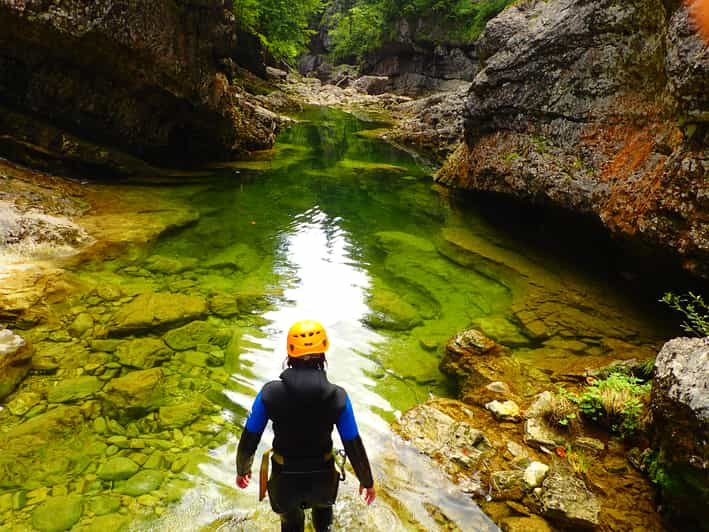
(304, 406)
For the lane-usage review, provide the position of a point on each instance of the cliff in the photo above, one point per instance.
(599, 107)
(156, 81)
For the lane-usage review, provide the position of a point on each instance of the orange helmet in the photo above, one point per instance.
(306, 337)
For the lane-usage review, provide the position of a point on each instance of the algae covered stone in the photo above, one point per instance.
(112, 522)
(57, 513)
(118, 468)
(141, 389)
(143, 353)
(177, 416)
(153, 310)
(196, 333)
(141, 483)
(390, 311)
(74, 389)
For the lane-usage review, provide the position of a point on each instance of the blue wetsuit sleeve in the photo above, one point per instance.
(346, 424)
(258, 418)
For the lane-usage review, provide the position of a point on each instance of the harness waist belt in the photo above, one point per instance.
(282, 460)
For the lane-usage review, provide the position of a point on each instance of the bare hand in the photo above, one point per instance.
(369, 495)
(243, 481)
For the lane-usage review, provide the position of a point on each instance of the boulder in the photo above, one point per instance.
(464, 353)
(57, 513)
(81, 324)
(505, 410)
(196, 333)
(141, 483)
(143, 353)
(15, 356)
(117, 468)
(74, 389)
(507, 485)
(566, 501)
(680, 428)
(177, 416)
(391, 312)
(537, 433)
(372, 84)
(137, 392)
(535, 473)
(153, 310)
(456, 444)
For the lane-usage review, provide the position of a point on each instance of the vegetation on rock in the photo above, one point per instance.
(695, 310)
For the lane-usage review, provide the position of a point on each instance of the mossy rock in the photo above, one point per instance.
(138, 391)
(57, 513)
(239, 257)
(195, 333)
(177, 416)
(113, 522)
(118, 468)
(391, 312)
(169, 265)
(143, 353)
(141, 483)
(74, 389)
(153, 310)
(392, 241)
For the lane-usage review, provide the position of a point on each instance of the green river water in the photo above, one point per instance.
(337, 227)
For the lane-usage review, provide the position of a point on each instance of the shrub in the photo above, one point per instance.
(617, 402)
(695, 310)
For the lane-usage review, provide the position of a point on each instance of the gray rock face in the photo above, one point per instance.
(155, 79)
(579, 106)
(680, 431)
(566, 500)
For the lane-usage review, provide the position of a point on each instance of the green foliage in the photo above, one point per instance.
(617, 402)
(282, 25)
(363, 25)
(695, 310)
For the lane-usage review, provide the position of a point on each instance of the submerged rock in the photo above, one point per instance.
(680, 430)
(566, 500)
(153, 310)
(57, 513)
(74, 389)
(143, 353)
(177, 416)
(391, 312)
(141, 483)
(462, 357)
(196, 333)
(136, 392)
(15, 358)
(117, 468)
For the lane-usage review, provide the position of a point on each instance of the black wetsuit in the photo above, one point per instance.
(304, 407)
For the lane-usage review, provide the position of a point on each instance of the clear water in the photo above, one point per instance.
(348, 230)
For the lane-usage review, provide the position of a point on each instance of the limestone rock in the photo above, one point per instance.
(505, 410)
(195, 333)
(538, 434)
(507, 485)
(117, 468)
(74, 389)
(57, 513)
(137, 391)
(81, 324)
(15, 358)
(153, 310)
(143, 353)
(371, 84)
(528, 122)
(53, 423)
(680, 431)
(23, 403)
(455, 443)
(224, 305)
(566, 500)
(535, 473)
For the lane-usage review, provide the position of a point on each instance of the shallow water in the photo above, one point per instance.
(347, 230)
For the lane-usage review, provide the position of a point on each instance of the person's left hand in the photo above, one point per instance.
(243, 481)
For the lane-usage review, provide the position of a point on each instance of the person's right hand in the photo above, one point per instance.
(243, 481)
(369, 495)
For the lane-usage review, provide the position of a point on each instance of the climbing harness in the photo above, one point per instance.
(340, 461)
